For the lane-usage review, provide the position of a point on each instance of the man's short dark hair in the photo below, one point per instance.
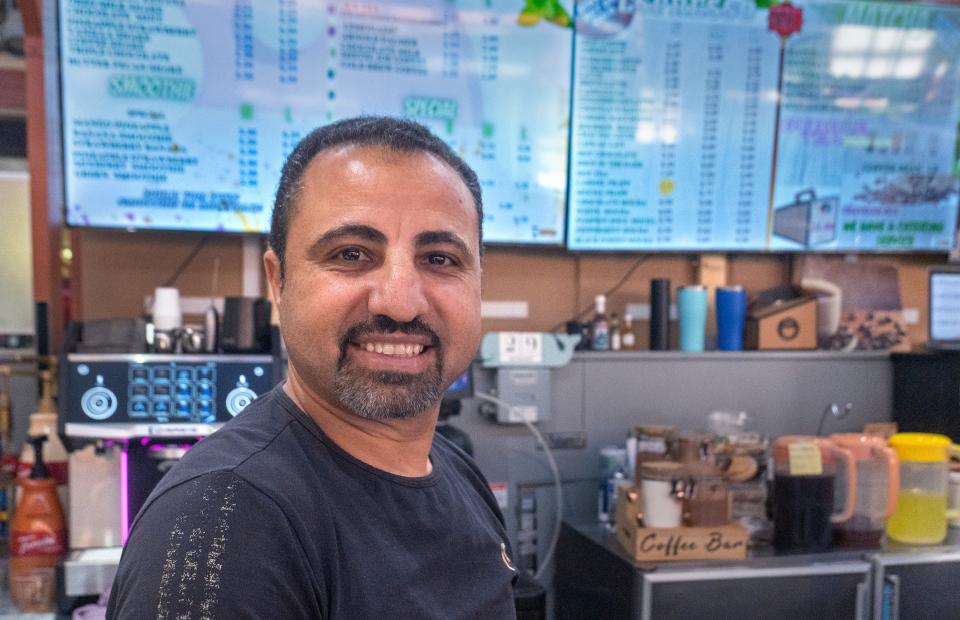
(396, 134)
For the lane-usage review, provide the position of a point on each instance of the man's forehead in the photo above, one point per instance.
(343, 177)
(364, 159)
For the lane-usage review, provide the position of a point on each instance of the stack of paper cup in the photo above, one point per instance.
(166, 308)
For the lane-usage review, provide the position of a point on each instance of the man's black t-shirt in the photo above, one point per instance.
(268, 518)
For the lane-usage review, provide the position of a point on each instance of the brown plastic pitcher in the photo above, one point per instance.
(878, 482)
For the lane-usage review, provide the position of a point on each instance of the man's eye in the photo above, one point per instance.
(351, 254)
(440, 259)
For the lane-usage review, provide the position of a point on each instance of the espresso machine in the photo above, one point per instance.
(128, 418)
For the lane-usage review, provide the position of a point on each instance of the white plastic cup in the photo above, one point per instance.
(166, 308)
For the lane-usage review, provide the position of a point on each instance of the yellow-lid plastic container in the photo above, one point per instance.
(921, 447)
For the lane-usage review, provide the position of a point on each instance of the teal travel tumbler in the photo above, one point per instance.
(692, 312)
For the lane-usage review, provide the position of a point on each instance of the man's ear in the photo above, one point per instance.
(271, 264)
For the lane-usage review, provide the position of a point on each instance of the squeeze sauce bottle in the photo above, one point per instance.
(44, 422)
(37, 538)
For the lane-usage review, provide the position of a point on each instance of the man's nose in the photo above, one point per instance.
(397, 291)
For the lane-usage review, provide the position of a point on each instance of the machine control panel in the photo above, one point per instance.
(161, 389)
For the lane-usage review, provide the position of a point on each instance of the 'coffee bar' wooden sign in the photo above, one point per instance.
(648, 544)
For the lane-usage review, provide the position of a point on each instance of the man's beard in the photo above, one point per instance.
(381, 395)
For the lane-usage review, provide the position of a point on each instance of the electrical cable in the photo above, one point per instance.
(552, 547)
(186, 261)
(610, 291)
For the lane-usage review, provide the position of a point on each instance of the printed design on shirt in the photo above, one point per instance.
(193, 558)
(506, 558)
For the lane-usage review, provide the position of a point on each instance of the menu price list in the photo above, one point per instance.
(662, 113)
(443, 66)
(179, 115)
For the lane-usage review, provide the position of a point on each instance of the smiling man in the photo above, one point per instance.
(331, 496)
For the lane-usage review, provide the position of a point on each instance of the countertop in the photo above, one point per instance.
(767, 556)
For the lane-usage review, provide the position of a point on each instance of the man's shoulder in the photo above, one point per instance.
(262, 433)
(201, 546)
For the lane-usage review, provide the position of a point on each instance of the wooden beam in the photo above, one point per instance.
(32, 12)
(46, 219)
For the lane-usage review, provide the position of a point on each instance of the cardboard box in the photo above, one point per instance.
(647, 544)
(781, 319)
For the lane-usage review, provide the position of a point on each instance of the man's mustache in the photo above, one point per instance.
(380, 324)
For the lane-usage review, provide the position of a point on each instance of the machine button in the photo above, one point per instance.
(206, 411)
(161, 374)
(184, 389)
(161, 389)
(139, 389)
(139, 373)
(206, 374)
(161, 407)
(99, 402)
(205, 390)
(239, 397)
(184, 374)
(139, 408)
(184, 408)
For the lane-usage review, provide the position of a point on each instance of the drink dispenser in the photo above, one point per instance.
(921, 516)
(878, 481)
(805, 473)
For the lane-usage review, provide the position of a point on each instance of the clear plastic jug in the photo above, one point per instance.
(878, 482)
(805, 472)
(921, 516)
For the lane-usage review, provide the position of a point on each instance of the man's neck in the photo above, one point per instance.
(400, 447)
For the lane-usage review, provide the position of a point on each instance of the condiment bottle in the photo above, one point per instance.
(921, 516)
(44, 422)
(616, 337)
(37, 538)
(600, 326)
(629, 338)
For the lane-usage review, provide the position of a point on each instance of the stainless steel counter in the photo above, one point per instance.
(596, 577)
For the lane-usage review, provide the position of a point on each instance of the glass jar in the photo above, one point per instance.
(708, 497)
(662, 487)
(693, 447)
(652, 442)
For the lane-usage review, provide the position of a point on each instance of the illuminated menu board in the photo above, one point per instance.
(179, 115)
(681, 109)
(868, 131)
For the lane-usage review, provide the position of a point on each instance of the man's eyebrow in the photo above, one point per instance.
(361, 231)
(435, 237)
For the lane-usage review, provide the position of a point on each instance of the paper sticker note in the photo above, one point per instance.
(805, 459)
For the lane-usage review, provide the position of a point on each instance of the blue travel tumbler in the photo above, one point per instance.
(692, 311)
(731, 315)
